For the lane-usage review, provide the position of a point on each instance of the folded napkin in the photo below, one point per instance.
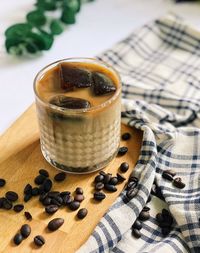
(160, 69)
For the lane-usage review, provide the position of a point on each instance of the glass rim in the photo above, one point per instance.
(78, 59)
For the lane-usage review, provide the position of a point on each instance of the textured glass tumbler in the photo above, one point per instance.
(79, 140)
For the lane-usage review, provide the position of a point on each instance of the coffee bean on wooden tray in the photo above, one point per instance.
(25, 230)
(2, 182)
(12, 196)
(82, 213)
(18, 208)
(7, 204)
(99, 186)
(74, 205)
(120, 178)
(51, 209)
(44, 172)
(99, 196)
(39, 179)
(113, 181)
(39, 240)
(55, 224)
(60, 177)
(99, 178)
(18, 238)
(28, 216)
(79, 190)
(28, 189)
(122, 151)
(126, 136)
(110, 187)
(178, 183)
(124, 167)
(79, 197)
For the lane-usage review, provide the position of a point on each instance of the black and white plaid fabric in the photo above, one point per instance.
(160, 69)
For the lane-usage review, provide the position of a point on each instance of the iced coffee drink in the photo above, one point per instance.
(78, 105)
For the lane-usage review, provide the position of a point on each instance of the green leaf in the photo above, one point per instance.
(48, 5)
(47, 38)
(74, 5)
(12, 42)
(68, 16)
(31, 48)
(18, 30)
(56, 27)
(36, 18)
(37, 39)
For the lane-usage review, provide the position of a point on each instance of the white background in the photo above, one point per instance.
(99, 25)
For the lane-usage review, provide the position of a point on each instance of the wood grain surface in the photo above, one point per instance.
(20, 160)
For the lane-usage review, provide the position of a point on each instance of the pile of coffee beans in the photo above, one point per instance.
(165, 221)
(169, 175)
(6, 202)
(24, 232)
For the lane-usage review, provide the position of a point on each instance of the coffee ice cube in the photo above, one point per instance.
(102, 84)
(69, 102)
(74, 77)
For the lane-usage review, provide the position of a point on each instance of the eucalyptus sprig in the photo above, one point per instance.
(41, 26)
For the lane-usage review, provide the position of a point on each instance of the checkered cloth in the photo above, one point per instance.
(160, 69)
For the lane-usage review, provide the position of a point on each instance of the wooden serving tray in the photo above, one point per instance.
(20, 160)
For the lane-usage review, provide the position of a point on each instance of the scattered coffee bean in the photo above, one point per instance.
(133, 178)
(27, 197)
(43, 196)
(178, 183)
(67, 199)
(131, 185)
(99, 186)
(60, 177)
(167, 176)
(99, 178)
(137, 224)
(65, 193)
(47, 185)
(113, 181)
(165, 230)
(103, 173)
(131, 193)
(47, 201)
(57, 201)
(171, 172)
(55, 224)
(110, 187)
(167, 216)
(18, 238)
(18, 208)
(79, 190)
(51, 209)
(7, 204)
(136, 233)
(165, 221)
(39, 179)
(28, 216)
(146, 208)
(126, 136)
(35, 191)
(82, 213)
(25, 230)
(54, 194)
(99, 196)
(39, 240)
(122, 151)
(2, 182)
(120, 178)
(44, 172)
(74, 205)
(79, 197)
(107, 178)
(28, 189)
(124, 167)
(12, 196)
(160, 218)
(144, 215)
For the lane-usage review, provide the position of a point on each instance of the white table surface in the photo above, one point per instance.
(99, 25)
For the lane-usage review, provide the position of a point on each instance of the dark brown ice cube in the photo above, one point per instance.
(102, 84)
(74, 77)
(69, 102)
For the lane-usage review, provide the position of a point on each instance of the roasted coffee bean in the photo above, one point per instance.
(79, 190)
(82, 213)
(2, 182)
(12, 196)
(122, 151)
(43, 196)
(54, 194)
(28, 189)
(167, 216)
(149, 198)
(79, 197)
(167, 176)
(67, 199)
(47, 185)
(103, 173)
(110, 187)
(160, 218)
(1, 202)
(7, 204)
(60, 177)
(27, 197)
(146, 208)
(99, 186)
(70, 102)
(120, 178)
(18, 238)
(47, 201)
(28, 216)
(137, 224)
(132, 177)
(107, 178)
(131, 185)
(65, 193)
(165, 230)
(102, 84)
(144, 215)
(124, 167)
(171, 172)
(55, 224)
(57, 201)
(35, 191)
(18, 208)
(113, 181)
(99, 196)
(44, 172)
(51, 209)
(74, 205)
(131, 193)
(178, 183)
(99, 178)
(126, 136)
(25, 230)
(39, 179)
(136, 233)
(39, 240)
